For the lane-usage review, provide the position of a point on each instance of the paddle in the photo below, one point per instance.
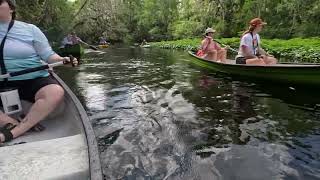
(225, 46)
(39, 68)
(90, 46)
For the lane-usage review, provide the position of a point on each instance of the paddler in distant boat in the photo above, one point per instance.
(145, 44)
(75, 39)
(102, 41)
(70, 40)
(210, 50)
(66, 41)
(250, 51)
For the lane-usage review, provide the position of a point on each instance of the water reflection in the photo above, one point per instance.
(94, 95)
(158, 116)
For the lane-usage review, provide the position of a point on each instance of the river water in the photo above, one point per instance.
(157, 115)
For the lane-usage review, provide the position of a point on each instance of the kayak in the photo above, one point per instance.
(289, 73)
(76, 51)
(66, 149)
(102, 46)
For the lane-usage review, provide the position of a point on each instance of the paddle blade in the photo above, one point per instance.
(71, 60)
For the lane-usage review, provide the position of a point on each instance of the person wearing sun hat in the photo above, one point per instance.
(24, 46)
(250, 51)
(211, 50)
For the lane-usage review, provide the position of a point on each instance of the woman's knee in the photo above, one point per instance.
(257, 61)
(223, 50)
(52, 92)
(212, 52)
(271, 60)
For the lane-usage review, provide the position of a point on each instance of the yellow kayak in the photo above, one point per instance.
(103, 46)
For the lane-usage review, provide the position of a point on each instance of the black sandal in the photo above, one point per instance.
(6, 131)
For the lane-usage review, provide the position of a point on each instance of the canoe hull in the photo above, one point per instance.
(302, 74)
(93, 152)
(76, 51)
(146, 46)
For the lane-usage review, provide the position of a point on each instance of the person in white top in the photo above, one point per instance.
(250, 51)
(66, 41)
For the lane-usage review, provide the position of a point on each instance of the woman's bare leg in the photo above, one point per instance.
(211, 55)
(270, 60)
(222, 55)
(46, 100)
(256, 61)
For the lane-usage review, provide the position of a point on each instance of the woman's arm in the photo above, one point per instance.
(55, 58)
(246, 52)
(217, 46)
(44, 49)
(263, 52)
(205, 43)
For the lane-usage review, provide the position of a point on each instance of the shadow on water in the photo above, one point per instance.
(158, 116)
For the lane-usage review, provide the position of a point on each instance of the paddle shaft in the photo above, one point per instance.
(39, 68)
(91, 46)
(226, 46)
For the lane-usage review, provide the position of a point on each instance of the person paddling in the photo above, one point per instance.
(23, 46)
(66, 42)
(250, 51)
(210, 49)
(102, 41)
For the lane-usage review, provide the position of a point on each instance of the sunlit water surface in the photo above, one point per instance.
(157, 115)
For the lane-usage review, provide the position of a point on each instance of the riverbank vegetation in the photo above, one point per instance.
(154, 20)
(132, 21)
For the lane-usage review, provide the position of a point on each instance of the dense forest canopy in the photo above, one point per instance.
(154, 20)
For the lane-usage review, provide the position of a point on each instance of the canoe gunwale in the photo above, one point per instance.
(95, 169)
(280, 65)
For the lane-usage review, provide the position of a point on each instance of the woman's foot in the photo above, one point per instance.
(5, 132)
(5, 119)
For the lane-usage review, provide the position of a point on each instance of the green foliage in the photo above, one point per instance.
(53, 17)
(186, 29)
(154, 20)
(297, 49)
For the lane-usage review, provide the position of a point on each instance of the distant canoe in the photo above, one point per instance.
(75, 50)
(302, 74)
(146, 46)
(102, 46)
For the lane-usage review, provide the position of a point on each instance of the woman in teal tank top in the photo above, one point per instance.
(24, 47)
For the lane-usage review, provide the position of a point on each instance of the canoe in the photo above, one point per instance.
(146, 46)
(66, 149)
(289, 73)
(76, 51)
(102, 46)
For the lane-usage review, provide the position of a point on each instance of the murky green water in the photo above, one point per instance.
(159, 116)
